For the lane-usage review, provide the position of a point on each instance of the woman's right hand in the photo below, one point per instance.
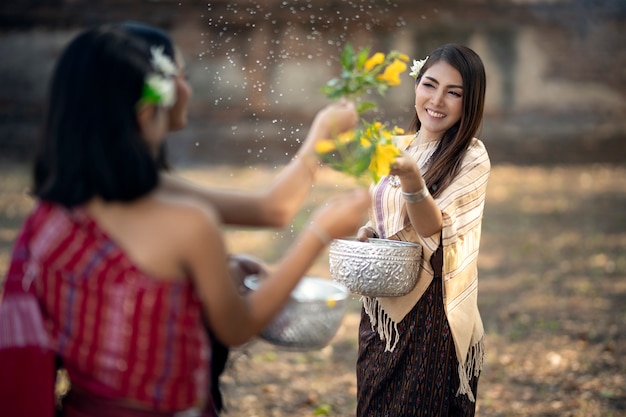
(342, 216)
(330, 121)
(336, 118)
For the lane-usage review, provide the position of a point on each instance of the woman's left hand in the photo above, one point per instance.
(240, 266)
(406, 169)
(365, 233)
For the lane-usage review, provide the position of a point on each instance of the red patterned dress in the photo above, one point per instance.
(127, 339)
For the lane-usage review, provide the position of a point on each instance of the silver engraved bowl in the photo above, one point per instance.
(376, 268)
(312, 316)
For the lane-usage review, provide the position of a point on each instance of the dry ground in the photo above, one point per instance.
(552, 294)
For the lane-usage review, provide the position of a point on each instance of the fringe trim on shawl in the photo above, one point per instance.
(387, 329)
(473, 365)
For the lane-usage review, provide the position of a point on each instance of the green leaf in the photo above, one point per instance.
(323, 409)
(362, 57)
(364, 106)
(347, 57)
(382, 89)
(362, 165)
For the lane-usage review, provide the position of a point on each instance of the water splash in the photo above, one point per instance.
(266, 62)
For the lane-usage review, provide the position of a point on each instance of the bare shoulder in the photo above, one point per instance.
(187, 217)
(192, 231)
(159, 234)
(194, 236)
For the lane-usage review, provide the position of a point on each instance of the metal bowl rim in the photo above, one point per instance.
(379, 241)
(341, 295)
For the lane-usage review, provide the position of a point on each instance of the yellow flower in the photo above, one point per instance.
(382, 159)
(376, 59)
(325, 146)
(391, 75)
(368, 150)
(346, 137)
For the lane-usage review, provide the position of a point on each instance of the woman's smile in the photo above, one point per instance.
(435, 114)
(439, 99)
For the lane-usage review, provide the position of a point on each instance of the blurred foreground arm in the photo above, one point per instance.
(275, 205)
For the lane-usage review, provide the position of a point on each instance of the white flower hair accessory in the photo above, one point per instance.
(162, 62)
(159, 87)
(158, 90)
(417, 67)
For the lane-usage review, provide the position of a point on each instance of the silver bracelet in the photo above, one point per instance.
(417, 196)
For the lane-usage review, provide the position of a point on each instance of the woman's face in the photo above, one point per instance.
(439, 99)
(180, 109)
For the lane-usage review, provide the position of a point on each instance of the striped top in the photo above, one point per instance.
(389, 215)
(121, 333)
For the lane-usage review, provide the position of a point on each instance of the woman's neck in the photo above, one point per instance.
(422, 137)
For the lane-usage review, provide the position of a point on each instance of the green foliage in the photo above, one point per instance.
(322, 410)
(362, 73)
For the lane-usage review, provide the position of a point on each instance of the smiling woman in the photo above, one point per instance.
(421, 353)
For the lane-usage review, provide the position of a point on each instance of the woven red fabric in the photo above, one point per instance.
(120, 333)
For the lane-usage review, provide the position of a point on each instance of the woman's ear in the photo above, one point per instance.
(153, 124)
(145, 117)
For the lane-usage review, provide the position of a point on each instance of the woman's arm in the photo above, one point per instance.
(234, 318)
(275, 205)
(423, 212)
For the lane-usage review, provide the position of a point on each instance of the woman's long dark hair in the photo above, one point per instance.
(91, 143)
(447, 158)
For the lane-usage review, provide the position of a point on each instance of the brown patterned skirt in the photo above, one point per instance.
(420, 377)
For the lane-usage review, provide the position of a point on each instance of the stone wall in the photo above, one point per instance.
(556, 83)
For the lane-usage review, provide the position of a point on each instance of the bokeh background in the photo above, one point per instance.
(556, 68)
(552, 288)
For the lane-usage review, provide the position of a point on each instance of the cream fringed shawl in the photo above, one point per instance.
(461, 204)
